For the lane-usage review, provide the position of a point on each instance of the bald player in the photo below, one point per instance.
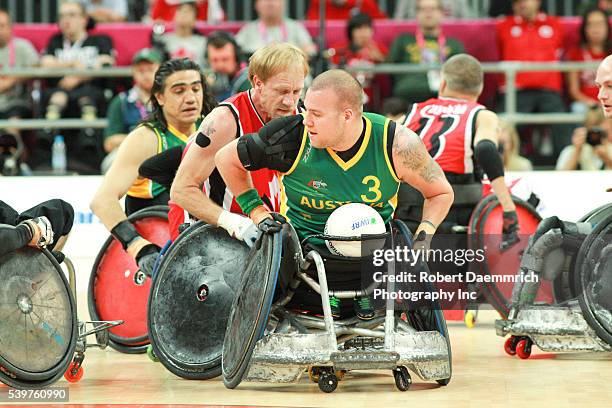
(604, 83)
(356, 156)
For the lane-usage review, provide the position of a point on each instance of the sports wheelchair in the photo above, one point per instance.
(576, 259)
(209, 287)
(40, 337)
(268, 340)
(475, 222)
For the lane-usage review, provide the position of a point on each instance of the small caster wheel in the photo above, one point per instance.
(74, 373)
(139, 278)
(102, 338)
(328, 382)
(510, 345)
(444, 382)
(402, 378)
(151, 354)
(523, 348)
(469, 318)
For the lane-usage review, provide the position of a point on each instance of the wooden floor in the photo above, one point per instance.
(483, 376)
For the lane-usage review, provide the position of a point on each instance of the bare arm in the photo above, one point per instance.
(199, 163)
(137, 147)
(112, 142)
(487, 128)
(237, 178)
(414, 166)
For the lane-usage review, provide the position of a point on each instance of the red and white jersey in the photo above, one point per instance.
(248, 120)
(446, 126)
(265, 181)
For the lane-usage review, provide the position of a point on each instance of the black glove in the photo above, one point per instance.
(146, 258)
(509, 230)
(272, 225)
(422, 242)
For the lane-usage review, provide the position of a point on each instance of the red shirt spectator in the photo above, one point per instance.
(587, 78)
(165, 9)
(538, 41)
(361, 50)
(595, 44)
(344, 9)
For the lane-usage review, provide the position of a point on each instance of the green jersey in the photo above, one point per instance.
(319, 181)
(166, 139)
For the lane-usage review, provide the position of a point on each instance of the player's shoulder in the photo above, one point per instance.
(143, 134)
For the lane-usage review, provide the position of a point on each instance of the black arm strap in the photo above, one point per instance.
(125, 232)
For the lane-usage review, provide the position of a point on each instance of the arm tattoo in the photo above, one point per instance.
(413, 155)
(431, 171)
(209, 128)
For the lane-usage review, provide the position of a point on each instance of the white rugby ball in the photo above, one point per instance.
(352, 220)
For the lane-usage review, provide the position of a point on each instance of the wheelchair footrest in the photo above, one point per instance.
(553, 328)
(364, 360)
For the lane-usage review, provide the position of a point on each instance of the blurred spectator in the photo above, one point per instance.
(230, 75)
(605, 5)
(361, 50)
(14, 53)
(74, 48)
(504, 7)
(395, 109)
(208, 10)
(272, 26)
(107, 11)
(591, 147)
(595, 45)
(530, 35)
(127, 109)
(344, 9)
(185, 41)
(428, 46)
(406, 9)
(509, 145)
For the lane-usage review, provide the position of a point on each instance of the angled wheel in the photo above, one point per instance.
(593, 279)
(486, 227)
(565, 286)
(195, 285)
(113, 293)
(427, 317)
(38, 322)
(251, 307)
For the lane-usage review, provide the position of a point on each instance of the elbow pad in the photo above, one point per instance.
(488, 158)
(275, 146)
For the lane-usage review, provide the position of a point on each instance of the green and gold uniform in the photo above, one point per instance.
(145, 192)
(320, 180)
